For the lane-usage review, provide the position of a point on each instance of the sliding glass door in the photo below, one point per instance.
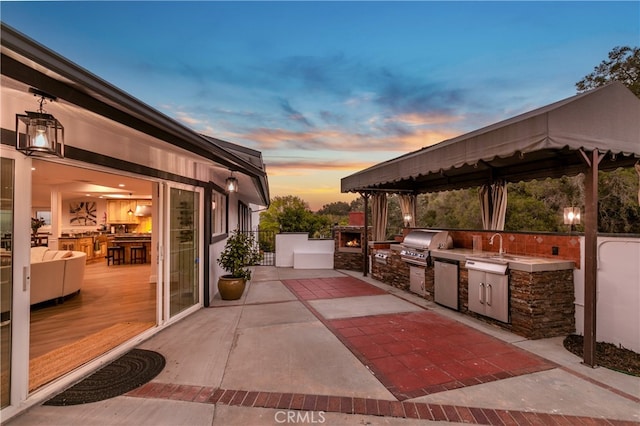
(184, 250)
(6, 277)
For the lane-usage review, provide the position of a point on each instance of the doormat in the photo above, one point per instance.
(58, 362)
(128, 372)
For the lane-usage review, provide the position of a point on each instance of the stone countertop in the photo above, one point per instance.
(127, 237)
(516, 262)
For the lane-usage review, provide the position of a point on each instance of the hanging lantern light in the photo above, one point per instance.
(407, 220)
(231, 183)
(571, 215)
(39, 133)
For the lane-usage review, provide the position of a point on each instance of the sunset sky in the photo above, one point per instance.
(325, 89)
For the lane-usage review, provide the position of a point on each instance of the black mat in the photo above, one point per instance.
(128, 372)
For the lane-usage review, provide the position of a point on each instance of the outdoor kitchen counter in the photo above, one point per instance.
(516, 262)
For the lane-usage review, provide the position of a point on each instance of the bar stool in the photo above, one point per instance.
(139, 254)
(115, 255)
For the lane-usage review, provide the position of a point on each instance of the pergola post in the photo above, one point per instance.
(365, 248)
(590, 256)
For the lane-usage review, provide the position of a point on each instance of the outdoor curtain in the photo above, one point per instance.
(637, 166)
(408, 206)
(379, 216)
(493, 205)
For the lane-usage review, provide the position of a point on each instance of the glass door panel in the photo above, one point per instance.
(6, 276)
(183, 250)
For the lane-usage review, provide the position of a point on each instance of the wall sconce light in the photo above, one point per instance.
(571, 215)
(231, 183)
(407, 220)
(39, 133)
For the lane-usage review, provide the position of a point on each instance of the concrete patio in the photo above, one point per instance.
(282, 355)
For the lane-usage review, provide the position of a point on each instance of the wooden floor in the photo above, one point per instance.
(109, 295)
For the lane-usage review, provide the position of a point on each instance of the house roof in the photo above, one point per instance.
(545, 142)
(249, 155)
(28, 62)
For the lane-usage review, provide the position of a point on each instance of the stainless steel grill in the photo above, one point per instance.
(418, 243)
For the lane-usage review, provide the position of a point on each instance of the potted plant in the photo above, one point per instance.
(240, 252)
(36, 223)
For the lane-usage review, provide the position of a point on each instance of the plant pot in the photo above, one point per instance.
(231, 288)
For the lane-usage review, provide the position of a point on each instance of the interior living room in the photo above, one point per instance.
(107, 299)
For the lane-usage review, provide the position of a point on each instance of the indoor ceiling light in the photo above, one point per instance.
(39, 133)
(231, 183)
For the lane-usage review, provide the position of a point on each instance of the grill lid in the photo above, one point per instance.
(422, 239)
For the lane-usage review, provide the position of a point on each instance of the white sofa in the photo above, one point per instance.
(55, 273)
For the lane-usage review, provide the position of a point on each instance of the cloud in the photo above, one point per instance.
(293, 114)
(427, 118)
(386, 136)
(331, 118)
(316, 73)
(405, 94)
(278, 166)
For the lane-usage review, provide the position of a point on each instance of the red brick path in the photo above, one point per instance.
(364, 406)
(417, 353)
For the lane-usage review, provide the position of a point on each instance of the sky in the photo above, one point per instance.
(326, 89)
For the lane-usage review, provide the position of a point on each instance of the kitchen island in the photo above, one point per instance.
(538, 294)
(131, 240)
(94, 244)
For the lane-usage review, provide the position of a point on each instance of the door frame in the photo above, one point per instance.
(21, 260)
(165, 288)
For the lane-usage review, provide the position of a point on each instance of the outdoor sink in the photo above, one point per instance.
(498, 258)
(489, 258)
(510, 257)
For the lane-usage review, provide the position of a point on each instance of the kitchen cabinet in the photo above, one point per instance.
(416, 280)
(117, 211)
(67, 244)
(489, 294)
(84, 244)
(446, 283)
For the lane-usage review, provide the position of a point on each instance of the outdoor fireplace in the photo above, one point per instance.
(350, 241)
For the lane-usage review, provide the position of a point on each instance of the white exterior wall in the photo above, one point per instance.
(286, 244)
(618, 292)
(312, 253)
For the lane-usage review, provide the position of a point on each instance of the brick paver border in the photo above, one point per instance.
(363, 406)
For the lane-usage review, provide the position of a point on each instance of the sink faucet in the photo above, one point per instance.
(501, 252)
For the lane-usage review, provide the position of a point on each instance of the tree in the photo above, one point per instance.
(623, 65)
(450, 209)
(335, 213)
(618, 210)
(339, 208)
(291, 214)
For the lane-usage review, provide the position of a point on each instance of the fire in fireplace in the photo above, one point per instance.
(353, 243)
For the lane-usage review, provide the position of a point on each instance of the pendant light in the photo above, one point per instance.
(130, 212)
(39, 133)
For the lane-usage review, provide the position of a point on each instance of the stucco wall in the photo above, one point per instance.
(618, 294)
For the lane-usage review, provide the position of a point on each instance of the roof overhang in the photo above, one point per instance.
(28, 62)
(546, 142)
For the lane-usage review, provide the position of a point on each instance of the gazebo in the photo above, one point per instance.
(592, 131)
